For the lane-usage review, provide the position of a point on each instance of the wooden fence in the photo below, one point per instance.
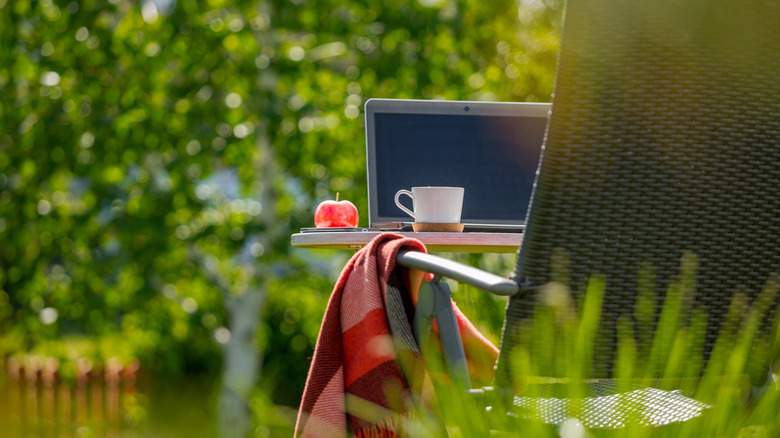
(43, 401)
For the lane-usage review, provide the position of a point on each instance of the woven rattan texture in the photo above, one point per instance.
(664, 139)
(605, 407)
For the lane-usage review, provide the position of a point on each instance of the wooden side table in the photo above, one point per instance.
(434, 242)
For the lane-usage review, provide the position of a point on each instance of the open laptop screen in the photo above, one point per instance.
(490, 149)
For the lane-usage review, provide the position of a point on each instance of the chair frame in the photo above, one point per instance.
(435, 303)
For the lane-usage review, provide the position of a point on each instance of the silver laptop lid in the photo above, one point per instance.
(490, 148)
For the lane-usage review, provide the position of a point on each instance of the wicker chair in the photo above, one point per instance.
(663, 145)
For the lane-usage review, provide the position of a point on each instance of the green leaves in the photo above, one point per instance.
(131, 136)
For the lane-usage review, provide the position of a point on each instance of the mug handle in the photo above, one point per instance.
(398, 201)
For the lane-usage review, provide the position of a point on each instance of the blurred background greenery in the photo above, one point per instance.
(156, 156)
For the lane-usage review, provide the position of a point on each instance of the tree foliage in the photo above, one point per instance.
(138, 139)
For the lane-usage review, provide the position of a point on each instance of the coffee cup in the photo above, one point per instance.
(436, 205)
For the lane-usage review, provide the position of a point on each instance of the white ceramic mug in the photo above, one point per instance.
(439, 205)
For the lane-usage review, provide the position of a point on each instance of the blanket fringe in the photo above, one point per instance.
(389, 427)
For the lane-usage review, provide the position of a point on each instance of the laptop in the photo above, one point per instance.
(491, 149)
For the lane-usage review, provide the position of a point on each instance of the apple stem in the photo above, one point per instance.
(337, 196)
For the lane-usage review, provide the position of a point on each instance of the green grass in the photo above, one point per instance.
(564, 333)
(736, 382)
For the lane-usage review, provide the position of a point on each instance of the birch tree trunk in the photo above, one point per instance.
(242, 362)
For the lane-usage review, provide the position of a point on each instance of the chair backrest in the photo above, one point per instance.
(664, 139)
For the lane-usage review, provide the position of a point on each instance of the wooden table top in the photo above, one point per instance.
(434, 242)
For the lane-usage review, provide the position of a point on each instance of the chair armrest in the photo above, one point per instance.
(458, 271)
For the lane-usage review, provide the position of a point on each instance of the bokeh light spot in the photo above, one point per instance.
(47, 49)
(48, 315)
(189, 305)
(50, 78)
(296, 53)
(152, 49)
(193, 147)
(87, 140)
(241, 130)
(222, 335)
(233, 100)
(82, 34)
(149, 12)
(352, 111)
(257, 249)
(44, 207)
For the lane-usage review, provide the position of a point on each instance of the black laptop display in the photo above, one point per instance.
(491, 149)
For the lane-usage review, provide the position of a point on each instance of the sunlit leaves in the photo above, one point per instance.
(130, 136)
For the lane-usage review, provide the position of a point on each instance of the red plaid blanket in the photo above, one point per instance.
(367, 377)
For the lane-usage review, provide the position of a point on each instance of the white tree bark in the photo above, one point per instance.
(244, 301)
(241, 364)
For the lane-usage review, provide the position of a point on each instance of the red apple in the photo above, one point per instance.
(336, 214)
